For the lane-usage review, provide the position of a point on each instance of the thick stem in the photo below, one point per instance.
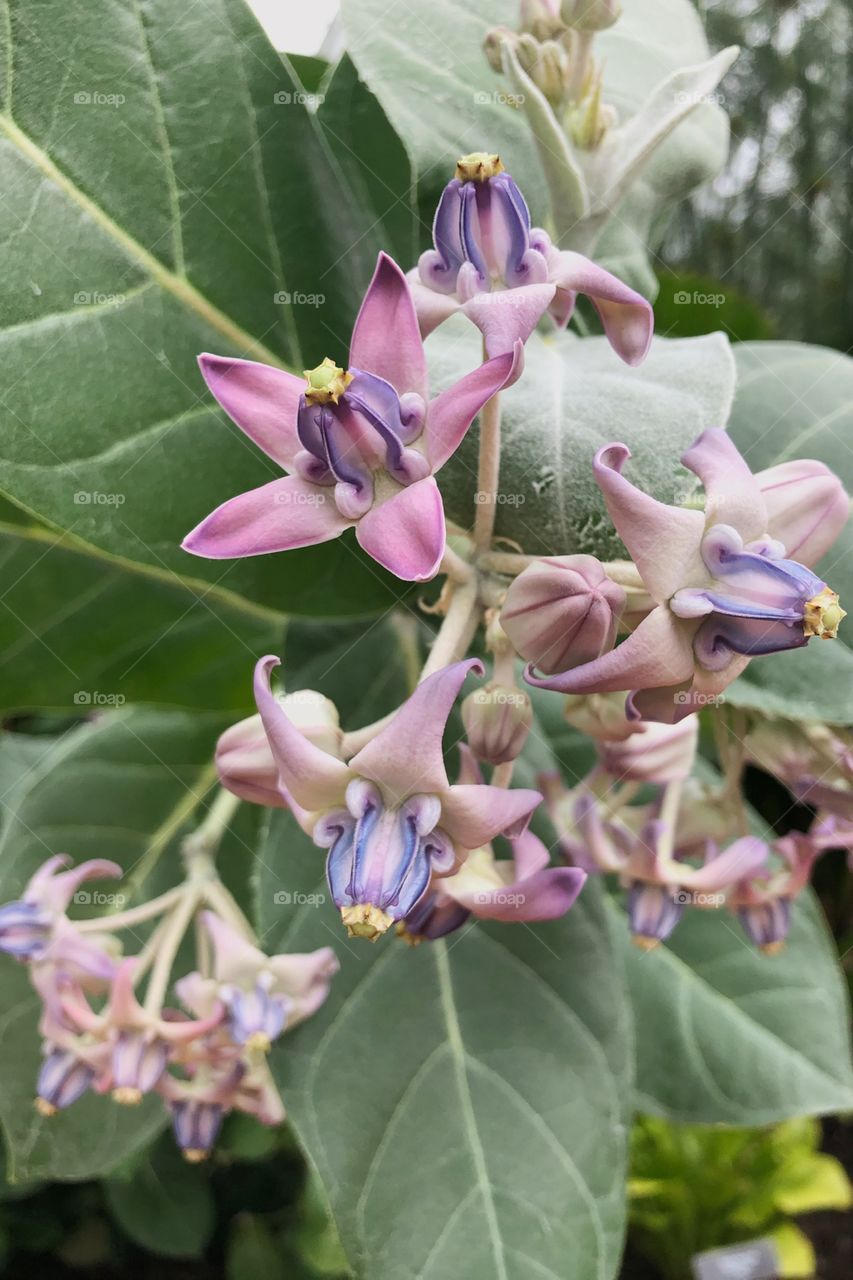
(456, 569)
(502, 774)
(669, 817)
(174, 928)
(202, 844)
(488, 474)
(223, 903)
(456, 631)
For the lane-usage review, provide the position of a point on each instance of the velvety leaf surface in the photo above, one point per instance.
(464, 1102)
(574, 396)
(221, 221)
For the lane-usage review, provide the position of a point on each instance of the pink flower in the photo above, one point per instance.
(504, 275)
(762, 901)
(389, 816)
(723, 588)
(361, 446)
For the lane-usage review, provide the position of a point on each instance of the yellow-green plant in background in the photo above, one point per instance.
(694, 1188)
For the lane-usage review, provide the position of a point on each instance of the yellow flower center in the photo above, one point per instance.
(823, 615)
(327, 383)
(366, 921)
(478, 166)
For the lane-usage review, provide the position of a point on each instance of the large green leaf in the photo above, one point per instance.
(796, 401)
(726, 1035)
(78, 631)
(126, 787)
(162, 1203)
(576, 395)
(464, 1102)
(192, 194)
(435, 57)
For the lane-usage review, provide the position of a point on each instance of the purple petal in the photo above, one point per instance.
(263, 401)
(279, 516)
(451, 413)
(547, 895)
(386, 339)
(473, 815)
(740, 861)
(658, 653)
(507, 316)
(807, 507)
(432, 307)
(405, 758)
(627, 317)
(406, 534)
(315, 779)
(663, 541)
(732, 492)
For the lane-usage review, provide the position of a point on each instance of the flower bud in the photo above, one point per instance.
(562, 611)
(590, 15)
(807, 507)
(497, 721)
(656, 753)
(244, 760)
(541, 18)
(547, 64)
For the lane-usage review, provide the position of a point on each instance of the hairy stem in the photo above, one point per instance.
(457, 630)
(488, 474)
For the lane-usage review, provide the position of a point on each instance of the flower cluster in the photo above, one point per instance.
(204, 1059)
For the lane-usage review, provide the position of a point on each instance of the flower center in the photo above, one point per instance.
(822, 615)
(478, 166)
(327, 383)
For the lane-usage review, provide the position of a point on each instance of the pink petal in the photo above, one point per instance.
(740, 861)
(406, 534)
(315, 779)
(627, 317)
(529, 855)
(405, 758)
(507, 316)
(807, 507)
(658, 653)
(451, 413)
(279, 516)
(55, 891)
(386, 339)
(473, 815)
(663, 541)
(432, 308)
(263, 401)
(236, 960)
(305, 977)
(547, 895)
(732, 492)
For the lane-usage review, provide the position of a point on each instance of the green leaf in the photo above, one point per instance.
(726, 1035)
(253, 1252)
(796, 401)
(127, 787)
(80, 632)
(110, 433)
(463, 1102)
(575, 396)
(164, 1205)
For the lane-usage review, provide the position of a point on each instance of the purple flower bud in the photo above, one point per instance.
(63, 1079)
(807, 507)
(244, 758)
(562, 611)
(196, 1125)
(139, 1060)
(497, 721)
(381, 858)
(653, 912)
(25, 929)
(766, 924)
(257, 1017)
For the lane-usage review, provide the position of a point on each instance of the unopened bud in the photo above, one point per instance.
(245, 761)
(547, 65)
(591, 118)
(590, 15)
(541, 18)
(807, 507)
(497, 721)
(562, 611)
